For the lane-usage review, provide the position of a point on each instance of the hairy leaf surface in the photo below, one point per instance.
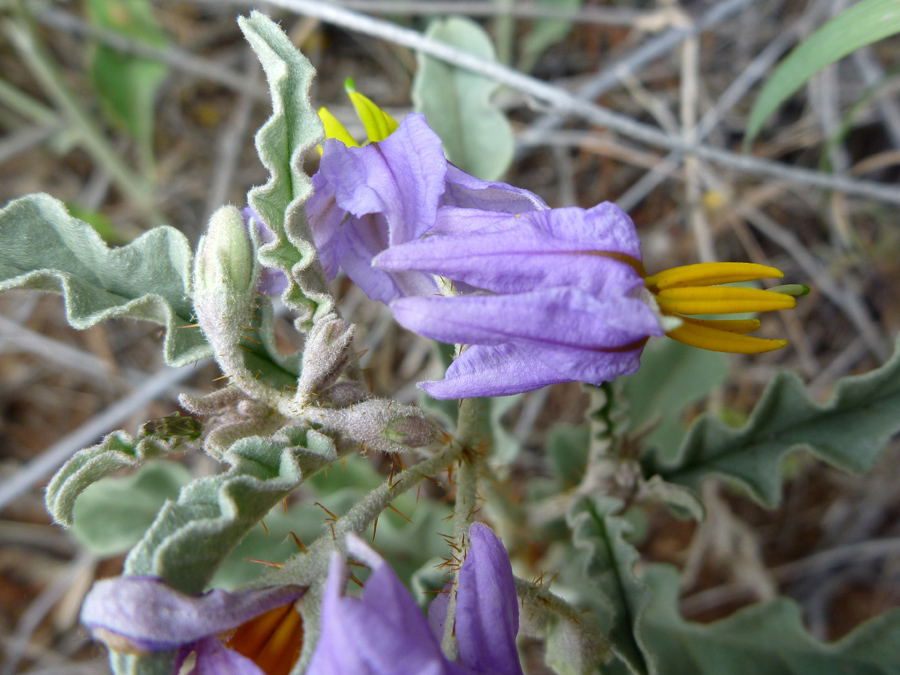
(44, 248)
(849, 431)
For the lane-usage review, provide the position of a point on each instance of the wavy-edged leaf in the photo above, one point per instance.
(849, 431)
(293, 130)
(118, 450)
(767, 638)
(476, 136)
(192, 535)
(672, 377)
(111, 515)
(609, 569)
(44, 248)
(858, 26)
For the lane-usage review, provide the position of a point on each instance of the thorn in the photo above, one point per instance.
(190, 325)
(325, 470)
(284, 501)
(265, 562)
(391, 477)
(343, 464)
(362, 353)
(333, 538)
(299, 543)
(395, 510)
(326, 510)
(354, 563)
(375, 527)
(250, 330)
(443, 590)
(400, 462)
(433, 480)
(356, 581)
(389, 405)
(246, 348)
(221, 377)
(251, 339)
(263, 523)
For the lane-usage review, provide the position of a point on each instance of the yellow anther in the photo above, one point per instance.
(334, 129)
(711, 274)
(379, 125)
(715, 340)
(721, 300)
(739, 326)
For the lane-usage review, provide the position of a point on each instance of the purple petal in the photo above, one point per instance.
(487, 613)
(473, 193)
(215, 659)
(515, 254)
(325, 220)
(437, 612)
(554, 319)
(497, 370)
(382, 633)
(401, 177)
(148, 615)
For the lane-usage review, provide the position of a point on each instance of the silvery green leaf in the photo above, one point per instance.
(766, 638)
(192, 535)
(111, 515)
(117, 450)
(476, 136)
(293, 130)
(672, 377)
(42, 247)
(849, 431)
(618, 596)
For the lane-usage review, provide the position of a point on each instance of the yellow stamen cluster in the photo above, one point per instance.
(696, 290)
(378, 124)
(271, 640)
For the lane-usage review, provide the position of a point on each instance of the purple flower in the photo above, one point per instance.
(384, 632)
(368, 199)
(564, 297)
(271, 280)
(136, 615)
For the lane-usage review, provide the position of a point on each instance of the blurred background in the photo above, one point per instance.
(137, 113)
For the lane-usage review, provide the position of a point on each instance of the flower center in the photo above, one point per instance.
(272, 640)
(696, 290)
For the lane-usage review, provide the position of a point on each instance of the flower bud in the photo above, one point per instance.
(225, 258)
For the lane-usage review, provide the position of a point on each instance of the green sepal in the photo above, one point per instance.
(293, 130)
(476, 136)
(44, 248)
(849, 431)
(118, 450)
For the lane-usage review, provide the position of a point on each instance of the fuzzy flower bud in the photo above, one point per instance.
(225, 259)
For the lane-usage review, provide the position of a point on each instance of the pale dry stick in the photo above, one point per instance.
(606, 145)
(23, 140)
(231, 142)
(839, 366)
(89, 432)
(171, 55)
(690, 94)
(659, 46)
(754, 71)
(39, 608)
(610, 16)
(863, 552)
(569, 103)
